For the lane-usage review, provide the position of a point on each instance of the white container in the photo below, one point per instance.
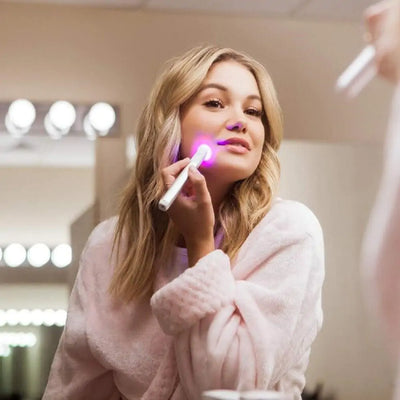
(262, 395)
(220, 395)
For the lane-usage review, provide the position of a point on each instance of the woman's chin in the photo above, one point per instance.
(226, 173)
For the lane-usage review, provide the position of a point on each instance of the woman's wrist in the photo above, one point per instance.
(198, 249)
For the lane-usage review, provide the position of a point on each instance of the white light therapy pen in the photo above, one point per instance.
(358, 74)
(202, 153)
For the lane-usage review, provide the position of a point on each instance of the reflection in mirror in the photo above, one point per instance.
(47, 187)
(25, 359)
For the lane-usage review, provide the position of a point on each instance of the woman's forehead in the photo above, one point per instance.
(232, 75)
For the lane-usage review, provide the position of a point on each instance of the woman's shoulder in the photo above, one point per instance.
(289, 216)
(287, 225)
(103, 233)
(293, 213)
(96, 258)
(286, 222)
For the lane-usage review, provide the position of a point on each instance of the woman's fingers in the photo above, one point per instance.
(199, 186)
(192, 211)
(170, 173)
(374, 17)
(383, 23)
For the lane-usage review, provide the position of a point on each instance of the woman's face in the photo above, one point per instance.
(226, 114)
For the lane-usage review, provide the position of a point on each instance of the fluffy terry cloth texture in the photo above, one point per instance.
(381, 250)
(218, 325)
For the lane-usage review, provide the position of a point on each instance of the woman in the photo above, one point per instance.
(224, 291)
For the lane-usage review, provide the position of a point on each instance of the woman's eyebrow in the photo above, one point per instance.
(225, 89)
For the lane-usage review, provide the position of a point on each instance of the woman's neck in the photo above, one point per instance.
(218, 192)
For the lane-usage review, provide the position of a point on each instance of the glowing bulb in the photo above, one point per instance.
(14, 255)
(20, 117)
(49, 317)
(25, 317)
(102, 117)
(30, 339)
(37, 317)
(59, 119)
(12, 317)
(38, 255)
(60, 317)
(99, 120)
(61, 256)
(5, 350)
(17, 339)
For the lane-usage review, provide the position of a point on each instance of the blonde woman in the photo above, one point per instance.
(224, 290)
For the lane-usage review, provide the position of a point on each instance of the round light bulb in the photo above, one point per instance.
(21, 114)
(59, 119)
(61, 256)
(12, 317)
(38, 255)
(102, 117)
(5, 350)
(60, 317)
(30, 339)
(19, 339)
(49, 317)
(14, 255)
(62, 114)
(25, 317)
(37, 317)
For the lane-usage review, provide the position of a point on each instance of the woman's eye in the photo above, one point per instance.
(254, 112)
(213, 103)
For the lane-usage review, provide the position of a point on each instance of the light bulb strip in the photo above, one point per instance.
(17, 339)
(77, 129)
(38, 255)
(36, 317)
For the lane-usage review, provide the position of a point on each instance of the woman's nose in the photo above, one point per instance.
(238, 126)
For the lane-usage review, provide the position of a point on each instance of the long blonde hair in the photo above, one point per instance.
(145, 233)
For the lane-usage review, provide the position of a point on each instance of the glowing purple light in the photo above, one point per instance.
(205, 148)
(204, 139)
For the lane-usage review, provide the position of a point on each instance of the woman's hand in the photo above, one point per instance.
(192, 211)
(383, 23)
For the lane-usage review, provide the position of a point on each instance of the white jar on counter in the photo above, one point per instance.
(221, 395)
(263, 395)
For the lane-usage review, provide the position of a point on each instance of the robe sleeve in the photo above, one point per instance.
(249, 324)
(75, 373)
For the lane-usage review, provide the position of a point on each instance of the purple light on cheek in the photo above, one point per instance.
(205, 140)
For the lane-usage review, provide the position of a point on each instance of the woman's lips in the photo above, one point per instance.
(235, 145)
(235, 148)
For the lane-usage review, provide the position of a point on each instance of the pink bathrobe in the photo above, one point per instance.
(381, 248)
(242, 325)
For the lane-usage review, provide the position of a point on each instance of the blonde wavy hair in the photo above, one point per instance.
(145, 233)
